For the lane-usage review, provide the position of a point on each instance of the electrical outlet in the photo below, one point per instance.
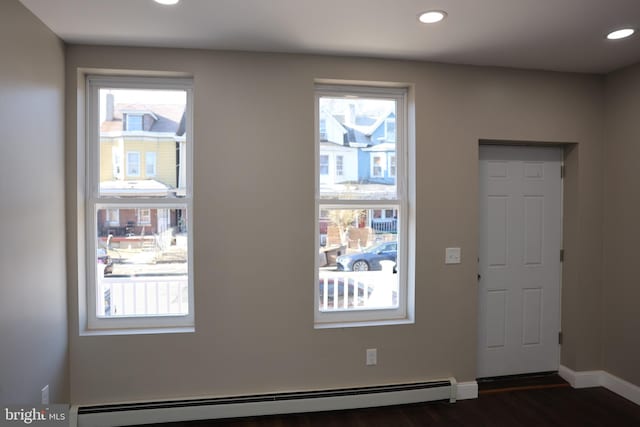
(45, 395)
(372, 356)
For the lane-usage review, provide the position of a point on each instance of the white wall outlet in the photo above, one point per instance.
(372, 356)
(45, 395)
(453, 256)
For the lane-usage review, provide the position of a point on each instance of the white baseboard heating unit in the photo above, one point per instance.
(263, 404)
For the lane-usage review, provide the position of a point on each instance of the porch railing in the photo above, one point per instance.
(143, 296)
(341, 290)
(384, 225)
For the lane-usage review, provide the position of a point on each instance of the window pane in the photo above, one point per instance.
(150, 163)
(357, 136)
(134, 122)
(146, 129)
(339, 165)
(357, 259)
(142, 262)
(133, 164)
(324, 164)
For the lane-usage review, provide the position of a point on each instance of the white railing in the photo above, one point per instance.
(384, 225)
(341, 290)
(143, 296)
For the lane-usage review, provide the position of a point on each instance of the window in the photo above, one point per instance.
(323, 129)
(377, 169)
(116, 159)
(392, 165)
(390, 129)
(113, 217)
(150, 163)
(324, 164)
(144, 216)
(339, 165)
(362, 274)
(134, 122)
(133, 163)
(143, 274)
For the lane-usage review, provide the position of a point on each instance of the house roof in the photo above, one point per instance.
(143, 187)
(334, 132)
(167, 117)
(383, 146)
(364, 127)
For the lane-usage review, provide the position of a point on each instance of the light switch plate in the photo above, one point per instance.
(372, 356)
(453, 256)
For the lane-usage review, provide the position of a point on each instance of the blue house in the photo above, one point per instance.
(376, 140)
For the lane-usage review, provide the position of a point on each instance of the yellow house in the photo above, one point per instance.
(141, 150)
(140, 143)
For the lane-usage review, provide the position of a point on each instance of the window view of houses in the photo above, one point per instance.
(142, 244)
(358, 241)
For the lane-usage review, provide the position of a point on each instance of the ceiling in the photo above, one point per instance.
(560, 35)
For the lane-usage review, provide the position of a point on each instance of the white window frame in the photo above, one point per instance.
(113, 217)
(94, 202)
(382, 157)
(339, 165)
(144, 216)
(386, 128)
(405, 202)
(129, 121)
(129, 163)
(116, 159)
(392, 168)
(328, 163)
(147, 156)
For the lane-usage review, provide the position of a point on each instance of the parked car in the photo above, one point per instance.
(369, 259)
(104, 259)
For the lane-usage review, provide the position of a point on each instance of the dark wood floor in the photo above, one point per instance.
(538, 406)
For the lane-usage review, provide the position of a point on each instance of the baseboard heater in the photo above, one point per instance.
(264, 404)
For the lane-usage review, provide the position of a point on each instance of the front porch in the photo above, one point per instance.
(342, 290)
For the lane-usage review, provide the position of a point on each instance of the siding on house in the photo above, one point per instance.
(166, 160)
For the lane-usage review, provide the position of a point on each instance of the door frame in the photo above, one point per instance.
(529, 144)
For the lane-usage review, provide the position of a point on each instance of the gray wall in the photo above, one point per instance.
(254, 157)
(621, 343)
(33, 309)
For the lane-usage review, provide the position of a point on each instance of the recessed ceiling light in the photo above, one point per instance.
(167, 2)
(621, 34)
(432, 16)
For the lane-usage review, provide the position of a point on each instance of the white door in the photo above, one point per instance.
(519, 260)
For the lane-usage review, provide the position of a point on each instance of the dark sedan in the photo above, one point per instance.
(369, 259)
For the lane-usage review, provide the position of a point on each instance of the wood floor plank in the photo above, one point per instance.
(534, 407)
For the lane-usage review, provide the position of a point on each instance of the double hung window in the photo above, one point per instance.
(150, 163)
(138, 224)
(362, 265)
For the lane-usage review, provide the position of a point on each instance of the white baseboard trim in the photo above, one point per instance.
(581, 379)
(604, 379)
(623, 388)
(467, 390)
(279, 403)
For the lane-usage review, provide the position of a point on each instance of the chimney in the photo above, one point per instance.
(351, 115)
(109, 112)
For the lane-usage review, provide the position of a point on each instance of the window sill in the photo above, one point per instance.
(138, 331)
(334, 325)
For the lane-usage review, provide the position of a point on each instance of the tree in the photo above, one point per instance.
(344, 219)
